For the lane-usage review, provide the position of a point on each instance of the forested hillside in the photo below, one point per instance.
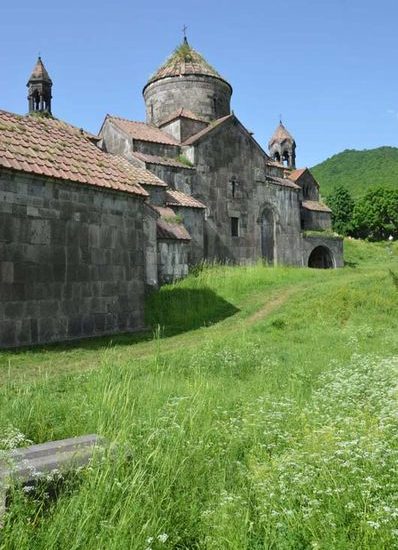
(358, 170)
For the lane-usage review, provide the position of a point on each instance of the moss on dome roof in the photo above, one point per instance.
(184, 61)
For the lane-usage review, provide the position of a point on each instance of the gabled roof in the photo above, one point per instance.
(40, 72)
(167, 226)
(295, 175)
(193, 140)
(142, 131)
(165, 161)
(280, 135)
(176, 198)
(55, 149)
(184, 61)
(316, 206)
(196, 137)
(182, 113)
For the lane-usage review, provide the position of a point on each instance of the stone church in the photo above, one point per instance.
(89, 222)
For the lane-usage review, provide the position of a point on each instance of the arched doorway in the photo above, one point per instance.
(321, 258)
(267, 235)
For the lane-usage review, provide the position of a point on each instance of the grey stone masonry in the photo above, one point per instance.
(30, 464)
(72, 261)
(206, 96)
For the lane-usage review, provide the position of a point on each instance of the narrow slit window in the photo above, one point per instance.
(234, 227)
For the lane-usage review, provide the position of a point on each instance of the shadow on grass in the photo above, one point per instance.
(169, 311)
(347, 263)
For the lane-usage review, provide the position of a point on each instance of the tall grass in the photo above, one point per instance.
(250, 430)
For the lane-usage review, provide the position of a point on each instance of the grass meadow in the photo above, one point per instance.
(260, 412)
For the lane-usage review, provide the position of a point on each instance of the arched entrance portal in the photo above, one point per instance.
(267, 236)
(321, 258)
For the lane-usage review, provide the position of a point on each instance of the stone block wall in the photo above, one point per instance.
(172, 260)
(316, 220)
(72, 262)
(206, 96)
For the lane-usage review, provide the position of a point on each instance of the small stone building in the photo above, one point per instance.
(89, 223)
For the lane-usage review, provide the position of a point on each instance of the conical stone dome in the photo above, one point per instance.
(184, 61)
(186, 81)
(40, 72)
(280, 135)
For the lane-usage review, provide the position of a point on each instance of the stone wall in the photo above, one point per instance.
(181, 179)
(172, 260)
(333, 244)
(150, 247)
(115, 141)
(206, 96)
(71, 261)
(183, 128)
(227, 155)
(316, 220)
(193, 220)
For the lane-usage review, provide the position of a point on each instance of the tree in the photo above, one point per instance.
(342, 205)
(375, 215)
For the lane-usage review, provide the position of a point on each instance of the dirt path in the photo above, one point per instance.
(271, 305)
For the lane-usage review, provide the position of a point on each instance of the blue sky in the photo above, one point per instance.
(329, 67)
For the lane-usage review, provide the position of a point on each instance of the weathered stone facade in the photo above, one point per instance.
(257, 206)
(72, 261)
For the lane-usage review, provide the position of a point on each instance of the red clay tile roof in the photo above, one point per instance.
(184, 61)
(282, 181)
(296, 174)
(142, 131)
(167, 228)
(316, 206)
(40, 72)
(181, 113)
(155, 159)
(52, 148)
(196, 137)
(280, 135)
(176, 198)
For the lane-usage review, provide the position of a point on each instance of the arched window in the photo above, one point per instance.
(286, 158)
(277, 157)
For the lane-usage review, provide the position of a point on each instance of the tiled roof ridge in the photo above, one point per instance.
(168, 226)
(296, 173)
(156, 135)
(56, 149)
(317, 206)
(178, 198)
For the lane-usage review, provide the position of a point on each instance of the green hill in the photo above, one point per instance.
(358, 170)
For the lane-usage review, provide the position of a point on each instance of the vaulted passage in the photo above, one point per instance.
(321, 258)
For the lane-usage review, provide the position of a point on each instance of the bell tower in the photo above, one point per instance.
(282, 147)
(39, 90)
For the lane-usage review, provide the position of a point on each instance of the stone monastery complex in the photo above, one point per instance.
(88, 223)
